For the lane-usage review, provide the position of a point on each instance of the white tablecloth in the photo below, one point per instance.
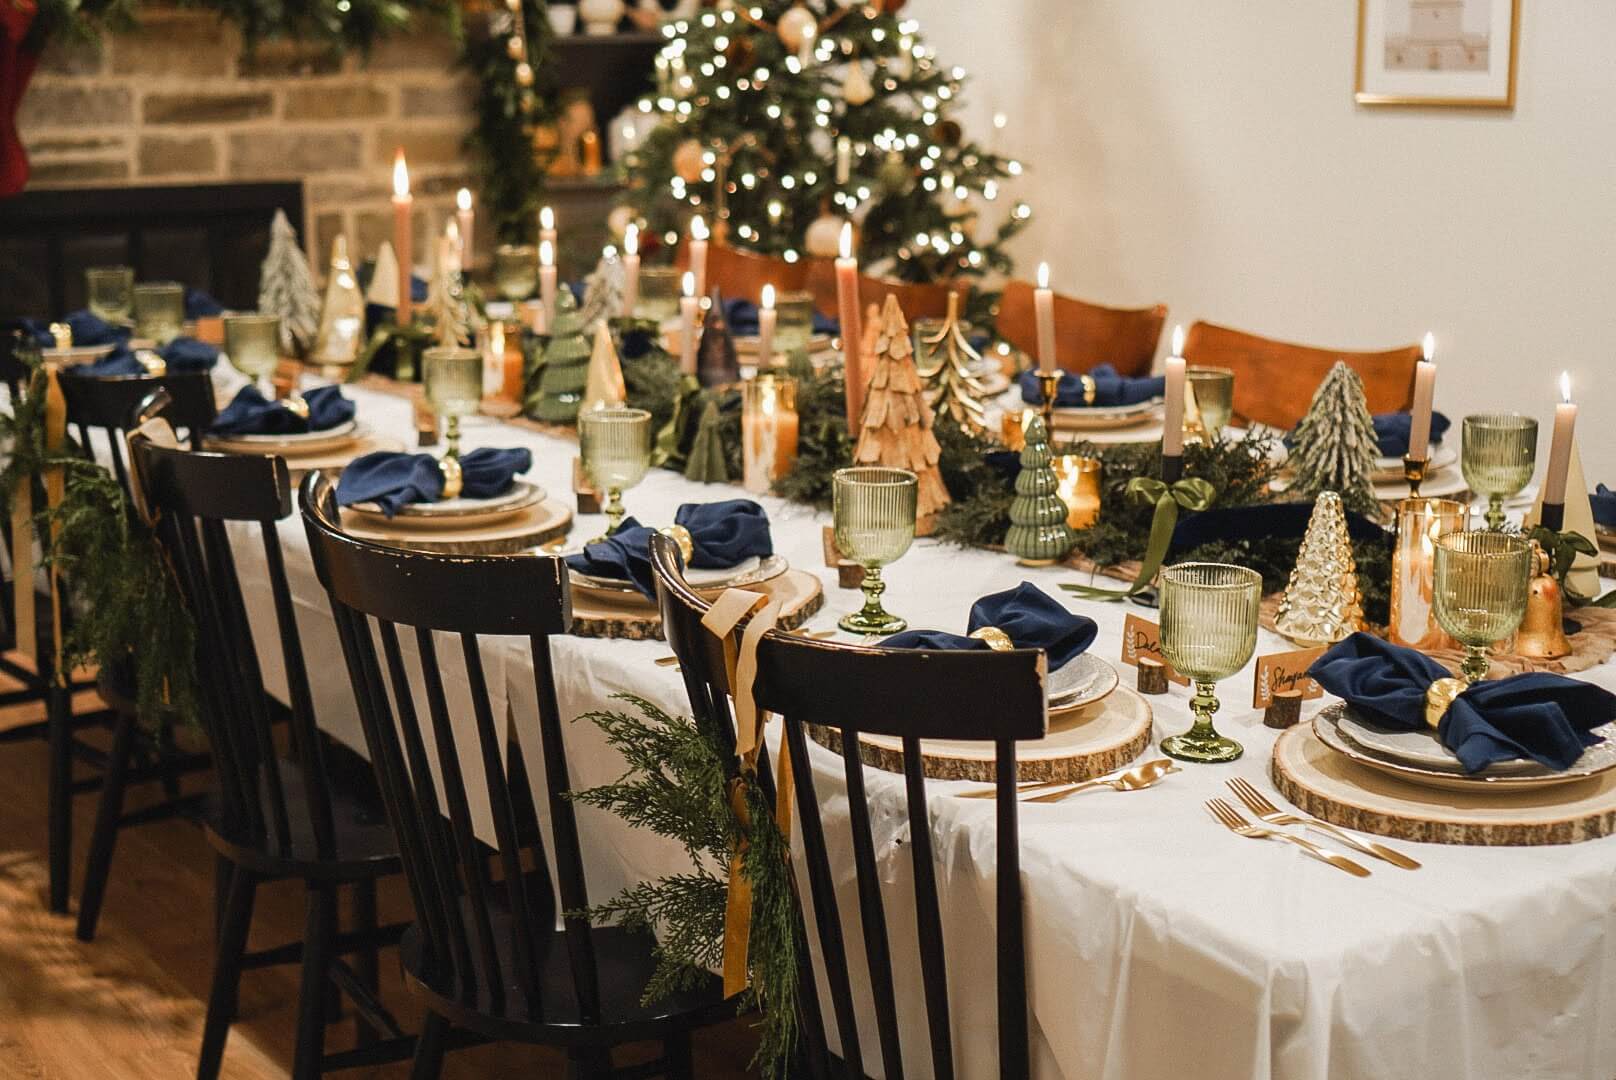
(1159, 943)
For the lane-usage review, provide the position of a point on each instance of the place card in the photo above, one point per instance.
(1141, 637)
(1285, 671)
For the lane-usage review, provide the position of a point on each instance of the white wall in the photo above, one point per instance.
(1208, 154)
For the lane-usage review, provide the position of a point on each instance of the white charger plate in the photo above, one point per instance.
(1420, 748)
(1103, 418)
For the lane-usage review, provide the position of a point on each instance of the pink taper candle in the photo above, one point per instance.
(547, 284)
(847, 310)
(631, 268)
(547, 227)
(403, 235)
(1173, 418)
(1043, 304)
(1565, 426)
(767, 317)
(1419, 424)
(689, 303)
(698, 253)
(465, 216)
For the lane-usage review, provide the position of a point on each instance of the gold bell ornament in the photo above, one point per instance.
(1542, 633)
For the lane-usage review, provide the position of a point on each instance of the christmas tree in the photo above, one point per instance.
(566, 366)
(707, 464)
(604, 387)
(1334, 446)
(452, 318)
(716, 364)
(603, 291)
(286, 288)
(1038, 531)
(781, 117)
(1322, 603)
(896, 431)
(945, 363)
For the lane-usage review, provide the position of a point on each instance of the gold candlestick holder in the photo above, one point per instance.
(1414, 472)
(1048, 386)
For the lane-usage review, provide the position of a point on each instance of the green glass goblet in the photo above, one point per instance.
(252, 342)
(111, 292)
(159, 308)
(516, 271)
(453, 383)
(615, 446)
(1482, 580)
(1208, 632)
(1498, 454)
(659, 293)
(1214, 397)
(875, 524)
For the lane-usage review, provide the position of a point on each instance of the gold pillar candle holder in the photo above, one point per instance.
(159, 308)
(1079, 488)
(1414, 470)
(1542, 634)
(768, 430)
(1420, 524)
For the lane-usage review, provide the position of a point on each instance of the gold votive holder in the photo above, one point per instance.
(1013, 428)
(1420, 523)
(1079, 488)
(768, 430)
(794, 320)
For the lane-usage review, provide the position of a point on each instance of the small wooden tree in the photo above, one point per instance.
(945, 364)
(1038, 534)
(1334, 447)
(565, 366)
(896, 431)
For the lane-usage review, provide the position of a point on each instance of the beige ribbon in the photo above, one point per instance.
(22, 532)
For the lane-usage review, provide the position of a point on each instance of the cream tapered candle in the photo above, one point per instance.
(631, 268)
(465, 216)
(689, 304)
(698, 253)
(767, 317)
(547, 227)
(403, 235)
(1173, 418)
(847, 310)
(1043, 304)
(1419, 424)
(547, 284)
(1565, 426)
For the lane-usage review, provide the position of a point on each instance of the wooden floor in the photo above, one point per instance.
(130, 1005)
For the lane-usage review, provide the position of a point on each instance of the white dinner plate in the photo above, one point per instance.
(1103, 418)
(753, 571)
(1388, 469)
(1421, 748)
(457, 513)
(1440, 483)
(304, 442)
(78, 354)
(1084, 679)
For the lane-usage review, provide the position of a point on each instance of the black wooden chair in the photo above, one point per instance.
(273, 817)
(486, 954)
(912, 695)
(101, 410)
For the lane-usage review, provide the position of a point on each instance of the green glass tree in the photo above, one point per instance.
(1334, 446)
(707, 464)
(1038, 532)
(565, 363)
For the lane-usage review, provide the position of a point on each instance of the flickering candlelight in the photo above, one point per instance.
(547, 284)
(465, 216)
(689, 304)
(1554, 481)
(768, 430)
(698, 253)
(403, 234)
(767, 317)
(1419, 426)
(1043, 302)
(1173, 418)
(547, 227)
(847, 308)
(631, 268)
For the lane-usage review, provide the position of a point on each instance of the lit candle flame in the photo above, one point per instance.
(1565, 387)
(698, 228)
(999, 120)
(546, 254)
(1428, 346)
(546, 218)
(1178, 340)
(690, 283)
(463, 198)
(1043, 275)
(451, 232)
(846, 245)
(401, 176)
(631, 239)
(768, 297)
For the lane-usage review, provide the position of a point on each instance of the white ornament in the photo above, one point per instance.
(795, 25)
(856, 88)
(823, 237)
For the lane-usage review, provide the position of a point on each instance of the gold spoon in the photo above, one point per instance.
(1142, 776)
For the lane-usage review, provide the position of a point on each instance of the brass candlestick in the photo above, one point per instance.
(1049, 385)
(1414, 472)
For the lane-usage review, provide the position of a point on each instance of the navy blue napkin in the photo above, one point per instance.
(1031, 617)
(393, 480)
(201, 305)
(87, 329)
(1604, 504)
(1110, 389)
(182, 355)
(1391, 431)
(742, 316)
(1547, 718)
(250, 413)
(722, 534)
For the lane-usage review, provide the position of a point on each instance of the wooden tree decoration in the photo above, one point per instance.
(286, 288)
(1039, 534)
(1322, 602)
(566, 366)
(716, 364)
(603, 292)
(896, 430)
(604, 386)
(452, 318)
(1334, 447)
(945, 363)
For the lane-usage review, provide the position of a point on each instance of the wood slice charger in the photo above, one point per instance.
(1328, 785)
(600, 614)
(523, 530)
(1084, 742)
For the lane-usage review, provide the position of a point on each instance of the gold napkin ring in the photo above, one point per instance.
(997, 639)
(452, 477)
(296, 405)
(152, 361)
(1089, 389)
(62, 334)
(681, 537)
(1439, 698)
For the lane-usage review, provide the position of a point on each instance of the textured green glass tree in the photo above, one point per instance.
(707, 464)
(753, 123)
(566, 366)
(1038, 532)
(1334, 446)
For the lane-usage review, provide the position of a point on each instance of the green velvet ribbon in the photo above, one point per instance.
(1191, 493)
(665, 449)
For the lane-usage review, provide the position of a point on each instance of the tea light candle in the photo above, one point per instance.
(1419, 427)
(1554, 482)
(768, 431)
(403, 234)
(547, 283)
(464, 215)
(1043, 303)
(631, 268)
(698, 253)
(547, 229)
(688, 306)
(847, 309)
(1078, 485)
(767, 317)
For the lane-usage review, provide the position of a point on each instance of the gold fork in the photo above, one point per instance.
(1231, 819)
(1266, 811)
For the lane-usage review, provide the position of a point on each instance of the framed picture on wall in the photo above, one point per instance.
(1438, 52)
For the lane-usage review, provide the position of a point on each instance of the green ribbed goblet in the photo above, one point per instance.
(615, 445)
(1482, 579)
(453, 381)
(1498, 454)
(1214, 397)
(875, 524)
(1208, 632)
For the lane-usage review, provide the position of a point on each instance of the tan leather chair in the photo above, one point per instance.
(1085, 334)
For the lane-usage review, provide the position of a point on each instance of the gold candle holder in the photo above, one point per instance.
(1414, 472)
(768, 430)
(1420, 523)
(1049, 386)
(1079, 479)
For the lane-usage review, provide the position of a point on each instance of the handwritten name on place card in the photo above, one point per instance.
(1285, 671)
(1141, 637)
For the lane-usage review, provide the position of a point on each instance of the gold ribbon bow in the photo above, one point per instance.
(53, 481)
(453, 477)
(1191, 493)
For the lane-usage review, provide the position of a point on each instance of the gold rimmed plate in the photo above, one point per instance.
(1083, 680)
(1390, 469)
(1105, 418)
(305, 442)
(754, 571)
(457, 513)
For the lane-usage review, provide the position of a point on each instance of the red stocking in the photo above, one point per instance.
(16, 68)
